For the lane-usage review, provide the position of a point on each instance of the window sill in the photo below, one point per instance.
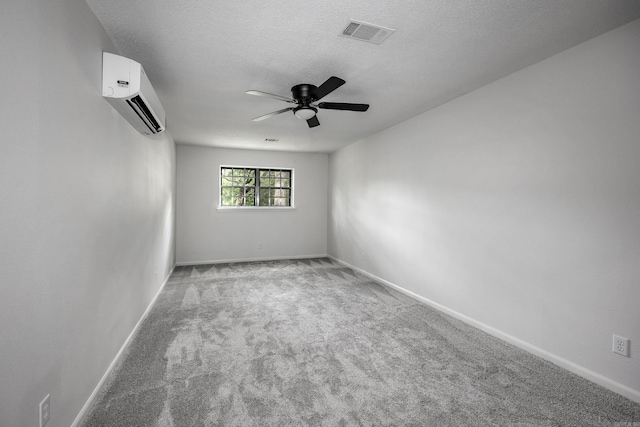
(254, 208)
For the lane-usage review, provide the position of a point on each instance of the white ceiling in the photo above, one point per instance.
(202, 55)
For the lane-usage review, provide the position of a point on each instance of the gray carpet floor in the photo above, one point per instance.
(310, 342)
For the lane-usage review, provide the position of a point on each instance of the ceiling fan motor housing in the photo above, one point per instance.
(303, 93)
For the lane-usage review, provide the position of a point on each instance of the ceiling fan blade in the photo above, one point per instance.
(275, 113)
(313, 122)
(343, 106)
(327, 87)
(270, 95)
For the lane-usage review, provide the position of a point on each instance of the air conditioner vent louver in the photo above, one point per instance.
(140, 107)
(366, 32)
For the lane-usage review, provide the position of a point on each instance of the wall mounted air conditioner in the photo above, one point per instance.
(126, 86)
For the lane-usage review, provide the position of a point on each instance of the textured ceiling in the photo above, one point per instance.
(202, 55)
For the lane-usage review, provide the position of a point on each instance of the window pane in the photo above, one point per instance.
(264, 197)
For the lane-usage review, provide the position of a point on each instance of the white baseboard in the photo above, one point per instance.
(599, 379)
(84, 411)
(225, 261)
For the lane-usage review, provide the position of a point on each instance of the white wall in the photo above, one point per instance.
(87, 214)
(207, 234)
(516, 206)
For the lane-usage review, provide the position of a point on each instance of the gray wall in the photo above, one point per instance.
(87, 216)
(208, 234)
(515, 207)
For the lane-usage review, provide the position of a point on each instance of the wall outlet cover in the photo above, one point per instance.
(621, 345)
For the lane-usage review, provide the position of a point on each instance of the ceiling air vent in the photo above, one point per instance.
(366, 32)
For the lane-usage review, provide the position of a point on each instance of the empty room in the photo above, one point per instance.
(305, 213)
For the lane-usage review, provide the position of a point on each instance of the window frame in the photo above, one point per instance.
(257, 187)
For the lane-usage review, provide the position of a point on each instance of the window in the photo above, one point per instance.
(256, 187)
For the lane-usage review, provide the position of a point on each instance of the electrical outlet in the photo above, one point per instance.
(621, 345)
(45, 411)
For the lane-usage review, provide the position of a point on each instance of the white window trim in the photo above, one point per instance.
(254, 208)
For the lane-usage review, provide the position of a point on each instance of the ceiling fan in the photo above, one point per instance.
(305, 96)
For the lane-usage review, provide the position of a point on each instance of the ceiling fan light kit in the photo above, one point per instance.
(305, 96)
(305, 113)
